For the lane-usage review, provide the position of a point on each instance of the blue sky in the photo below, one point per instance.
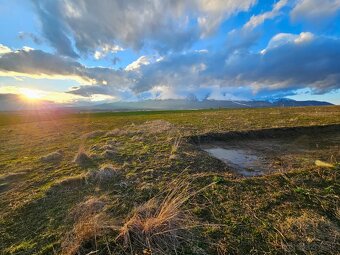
(72, 51)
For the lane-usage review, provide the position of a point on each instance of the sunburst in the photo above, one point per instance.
(30, 94)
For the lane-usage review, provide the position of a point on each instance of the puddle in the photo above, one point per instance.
(246, 164)
(262, 152)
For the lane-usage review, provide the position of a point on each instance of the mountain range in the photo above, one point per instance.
(12, 102)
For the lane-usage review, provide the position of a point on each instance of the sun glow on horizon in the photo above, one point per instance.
(31, 94)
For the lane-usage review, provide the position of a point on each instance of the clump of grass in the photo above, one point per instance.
(68, 183)
(90, 206)
(90, 221)
(175, 146)
(94, 134)
(114, 132)
(82, 159)
(106, 173)
(159, 226)
(53, 157)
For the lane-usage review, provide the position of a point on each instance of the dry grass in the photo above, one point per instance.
(82, 159)
(108, 153)
(68, 183)
(90, 206)
(52, 157)
(159, 226)
(156, 126)
(175, 146)
(90, 221)
(106, 173)
(94, 134)
(114, 132)
(309, 233)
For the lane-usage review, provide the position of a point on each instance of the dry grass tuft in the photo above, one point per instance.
(68, 183)
(91, 206)
(82, 159)
(53, 157)
(106, 173)
(115, 132)
(159, 227)
(90, 225)
(175, 146)
(94, 134)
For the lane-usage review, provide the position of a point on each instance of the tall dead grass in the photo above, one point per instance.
(90, 220)
(160, 226)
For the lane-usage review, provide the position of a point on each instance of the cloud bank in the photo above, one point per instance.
(289, 62)
(164, 25)
(167, 35)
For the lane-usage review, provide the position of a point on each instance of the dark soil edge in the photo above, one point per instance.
(264, 133)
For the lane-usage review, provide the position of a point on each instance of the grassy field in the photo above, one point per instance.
(139, 186)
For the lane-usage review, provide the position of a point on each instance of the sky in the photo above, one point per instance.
(84, 51)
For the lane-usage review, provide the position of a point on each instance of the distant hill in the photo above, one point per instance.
(284, 102)
(12, 102)
(181, 104)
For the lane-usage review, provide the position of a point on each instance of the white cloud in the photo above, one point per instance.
(289, 62)
(257, 20)
(284, 38)
(304, 37)
(165, 92)
(105, 50)
(247, 35)
(162, 25)
(315, 10)
(101, 97)
(143, 60)
(213, 12)
(4, 49)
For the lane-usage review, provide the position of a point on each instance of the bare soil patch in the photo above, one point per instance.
(260, 152)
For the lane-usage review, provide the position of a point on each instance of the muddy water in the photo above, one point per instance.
(243, 161)
(259, 156)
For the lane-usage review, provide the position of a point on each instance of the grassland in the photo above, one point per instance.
(61, 207)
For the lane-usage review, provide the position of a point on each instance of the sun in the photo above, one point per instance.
(30, 94)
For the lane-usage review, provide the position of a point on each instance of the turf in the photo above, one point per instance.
(293, 212)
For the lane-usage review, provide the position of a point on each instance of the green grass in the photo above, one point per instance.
(295, 212)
